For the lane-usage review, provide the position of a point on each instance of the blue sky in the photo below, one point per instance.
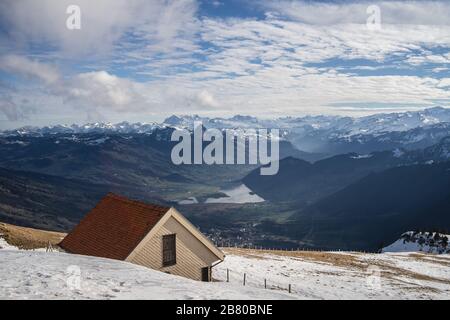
(143, 60)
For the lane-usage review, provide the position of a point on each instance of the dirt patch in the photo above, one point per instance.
(431, 259)
(405, 285)
(394, 272)
(27, 238)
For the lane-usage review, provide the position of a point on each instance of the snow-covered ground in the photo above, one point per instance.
(341, 275)
(312, 275)
(41, 275)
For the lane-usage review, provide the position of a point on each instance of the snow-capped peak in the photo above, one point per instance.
(98, 127)
(332, 126)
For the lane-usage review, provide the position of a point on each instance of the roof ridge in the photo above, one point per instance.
(136, 202)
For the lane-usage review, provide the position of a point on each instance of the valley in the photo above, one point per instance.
(51, 177)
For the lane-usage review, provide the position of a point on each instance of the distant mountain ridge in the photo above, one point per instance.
(377, 123)
(347, 126)
(327, 135)
(98, 127)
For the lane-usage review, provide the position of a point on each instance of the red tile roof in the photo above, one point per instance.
(113, 228)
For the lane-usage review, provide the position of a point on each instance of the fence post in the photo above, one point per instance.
(244, 278)
(265, 283)
(289, 288)
(49, 247)
(228, 275)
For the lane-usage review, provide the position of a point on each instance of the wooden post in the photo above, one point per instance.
(289, 288)
(49, 247)
(228, 275)
(265, 284)
(244, 278)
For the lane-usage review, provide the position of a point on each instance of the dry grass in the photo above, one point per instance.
(350, 260)
(346, 260)
(393, 272)
(27, 238)
(441, 260)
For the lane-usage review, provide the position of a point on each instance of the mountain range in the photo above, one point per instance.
(324, 135)
(331, 135)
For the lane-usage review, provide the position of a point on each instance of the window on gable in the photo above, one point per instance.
(169, 250)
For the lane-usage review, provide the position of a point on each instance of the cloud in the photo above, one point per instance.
(147, 58)
(29, 68)
(101, 90)
(10, 110)
(13, 106)
(206, 99)
(217, 3)
(392, 12)
(104, 24)
(417, 60)
(98, 92)
(91, 91)
(444, 83)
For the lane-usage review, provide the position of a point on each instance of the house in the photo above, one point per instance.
(149, 235)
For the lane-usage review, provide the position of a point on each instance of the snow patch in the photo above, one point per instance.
(398, 153)
(430, 242)
(190, 200)
(362, 156)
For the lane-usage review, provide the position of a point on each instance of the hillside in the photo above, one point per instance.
(302, 181)
(137, 164)
(372, 212)
(45, 201)
(28, 238)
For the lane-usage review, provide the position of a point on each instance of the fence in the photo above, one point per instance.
(243, 278)
(247, 279)
(298, 249)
